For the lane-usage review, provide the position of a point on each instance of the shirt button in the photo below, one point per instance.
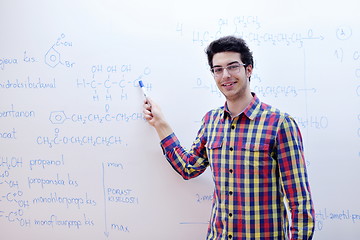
(231, 148)
(230, 214)
(233, 127)
(230, 192)
(231, 171)
(230, 236)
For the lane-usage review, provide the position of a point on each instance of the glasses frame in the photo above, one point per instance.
(217, 75)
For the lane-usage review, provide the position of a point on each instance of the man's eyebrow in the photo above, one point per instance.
(232, 63)
(227, 64)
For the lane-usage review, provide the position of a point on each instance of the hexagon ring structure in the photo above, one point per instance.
(57, 117)
(52, 57)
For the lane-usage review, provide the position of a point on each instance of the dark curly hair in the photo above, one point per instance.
(230, 44)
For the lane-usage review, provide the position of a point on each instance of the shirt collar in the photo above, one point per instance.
(250, 111)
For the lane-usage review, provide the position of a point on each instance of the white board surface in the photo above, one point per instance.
(77, 159)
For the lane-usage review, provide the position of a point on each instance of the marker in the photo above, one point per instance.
(144, 92)
(143, 88)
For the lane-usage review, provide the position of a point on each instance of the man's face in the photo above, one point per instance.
(233, 80)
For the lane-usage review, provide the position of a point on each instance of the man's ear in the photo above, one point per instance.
(249, 70)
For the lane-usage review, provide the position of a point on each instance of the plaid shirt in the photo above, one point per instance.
(256, 160)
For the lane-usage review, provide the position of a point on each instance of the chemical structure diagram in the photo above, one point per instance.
(53, 56)
(118, 77)
(59, 117)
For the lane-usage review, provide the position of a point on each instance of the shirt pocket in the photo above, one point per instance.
(256, 156)
(214, 143)
(216, 156)
(214, 150)
(256, 147)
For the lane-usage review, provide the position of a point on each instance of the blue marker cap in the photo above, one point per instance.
(143, 88)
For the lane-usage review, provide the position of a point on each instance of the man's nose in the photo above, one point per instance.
(226, 73)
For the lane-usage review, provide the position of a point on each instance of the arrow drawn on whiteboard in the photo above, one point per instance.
(308, 90)
(204, 86)
(105, 209)
(313, 38)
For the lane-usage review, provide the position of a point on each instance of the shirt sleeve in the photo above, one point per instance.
(294, 180)
(188, 164)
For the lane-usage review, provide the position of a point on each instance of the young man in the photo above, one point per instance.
(255, 153)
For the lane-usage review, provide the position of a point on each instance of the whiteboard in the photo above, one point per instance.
(78, 160)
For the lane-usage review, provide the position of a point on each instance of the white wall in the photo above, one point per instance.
(77, 159)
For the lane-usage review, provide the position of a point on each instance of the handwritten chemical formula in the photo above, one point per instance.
(251, 29)
(107, 80)
(53, 56)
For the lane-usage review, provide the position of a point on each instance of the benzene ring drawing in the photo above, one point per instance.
(52, 57)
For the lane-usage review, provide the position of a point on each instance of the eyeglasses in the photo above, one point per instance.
(231, 69)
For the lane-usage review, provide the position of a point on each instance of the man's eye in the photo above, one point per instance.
(218, 70)
(233, 67)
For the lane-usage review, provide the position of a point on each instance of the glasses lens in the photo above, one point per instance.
(233, 68)
(217, 71)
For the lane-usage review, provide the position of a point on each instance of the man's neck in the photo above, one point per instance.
(237, 106)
